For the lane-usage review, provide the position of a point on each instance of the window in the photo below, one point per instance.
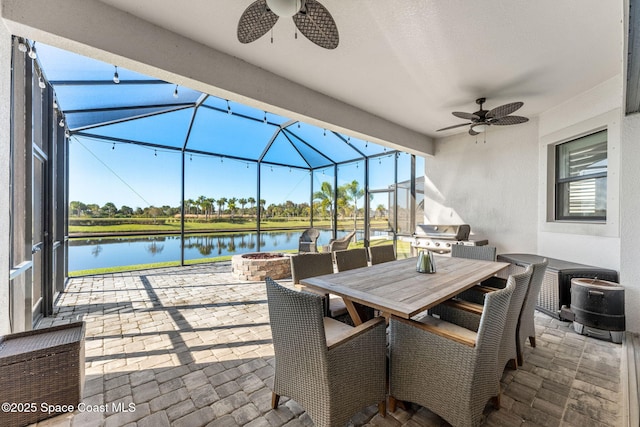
(581, 178)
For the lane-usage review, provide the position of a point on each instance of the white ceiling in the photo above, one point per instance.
(413, 62)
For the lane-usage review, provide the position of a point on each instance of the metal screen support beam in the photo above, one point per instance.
(412, 213)
(367, 203)
(335, 202)
(182, 210)
(311, 199)
(259, 208)
(395, 199)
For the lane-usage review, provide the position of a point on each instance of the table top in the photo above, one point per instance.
(397, 288)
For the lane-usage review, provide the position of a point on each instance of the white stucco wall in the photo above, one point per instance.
(492, 186)
(630, 219)
(5, 156)
(595, 244)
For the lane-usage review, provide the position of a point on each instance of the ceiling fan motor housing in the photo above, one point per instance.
(285, 8)
(483, 118)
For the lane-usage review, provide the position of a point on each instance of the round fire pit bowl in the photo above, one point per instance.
(598, 308)
(256, 266)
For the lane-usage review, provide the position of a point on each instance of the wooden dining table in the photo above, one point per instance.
(397, 288)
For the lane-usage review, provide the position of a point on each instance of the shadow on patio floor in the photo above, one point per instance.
(192, 346)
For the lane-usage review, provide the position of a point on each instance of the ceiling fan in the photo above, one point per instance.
(482, 118)
(311, 18)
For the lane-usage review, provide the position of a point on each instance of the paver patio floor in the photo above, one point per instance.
(192, 347)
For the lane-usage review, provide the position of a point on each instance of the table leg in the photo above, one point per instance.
(353, 312)
(359, 313)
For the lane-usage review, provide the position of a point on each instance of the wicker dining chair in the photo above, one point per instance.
(484, 253)
(350, 259)
(448, 369)
(380, 254)
(311, 265)
(468, 315)
(481, 253)
(339, 244)
(333, 370)
(308, 241)
(526, 325)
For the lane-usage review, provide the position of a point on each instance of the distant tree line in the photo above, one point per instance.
(348, 196)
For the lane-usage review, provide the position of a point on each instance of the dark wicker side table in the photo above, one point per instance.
(39, 369)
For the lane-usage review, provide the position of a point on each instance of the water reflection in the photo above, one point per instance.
(96, 251)
(154, 248)
(91, 253)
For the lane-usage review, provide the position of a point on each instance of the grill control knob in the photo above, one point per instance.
(437, 244)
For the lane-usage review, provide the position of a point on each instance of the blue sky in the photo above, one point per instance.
(136, 176)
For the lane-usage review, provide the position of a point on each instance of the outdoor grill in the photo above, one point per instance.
(440, 238)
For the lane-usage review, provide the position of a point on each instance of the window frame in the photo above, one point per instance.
(559, 206)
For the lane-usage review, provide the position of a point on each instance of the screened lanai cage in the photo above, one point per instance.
(160, 174)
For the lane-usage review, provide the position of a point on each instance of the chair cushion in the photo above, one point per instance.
(448, 327)
(336, 306)
(334, 329)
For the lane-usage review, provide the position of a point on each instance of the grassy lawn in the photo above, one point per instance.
(171, 225)
(188, 226)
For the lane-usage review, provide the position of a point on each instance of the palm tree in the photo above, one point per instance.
(325, 196)
(206, 205)
(251, 201)
(187, 205)
(243, 203)
(354, 192)
(200, 203)
(232, 205)
(221, 202)
(211, 202)
(262, 202)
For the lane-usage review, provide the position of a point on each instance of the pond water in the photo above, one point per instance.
(91, 253)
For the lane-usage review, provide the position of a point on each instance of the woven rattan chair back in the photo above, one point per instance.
(310, 265)
(508, 346)
(350, 259)
(526, 327)
(380, 254)
(434, 371)
(308, 241)
(484, 253)
(342, 243)
(299, 342)
(331, 383)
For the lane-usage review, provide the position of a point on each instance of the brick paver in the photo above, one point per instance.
(192, 346)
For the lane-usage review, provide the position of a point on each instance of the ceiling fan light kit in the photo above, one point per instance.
(311, 18)
(481, 120)
(285, 8)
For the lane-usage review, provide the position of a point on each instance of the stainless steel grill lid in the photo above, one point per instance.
(443, 232)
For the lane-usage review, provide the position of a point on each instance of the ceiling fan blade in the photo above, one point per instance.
(504, 110)
(317, 24)
(510, 120)
(255, 22)
(454, 126)
(466, 116)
